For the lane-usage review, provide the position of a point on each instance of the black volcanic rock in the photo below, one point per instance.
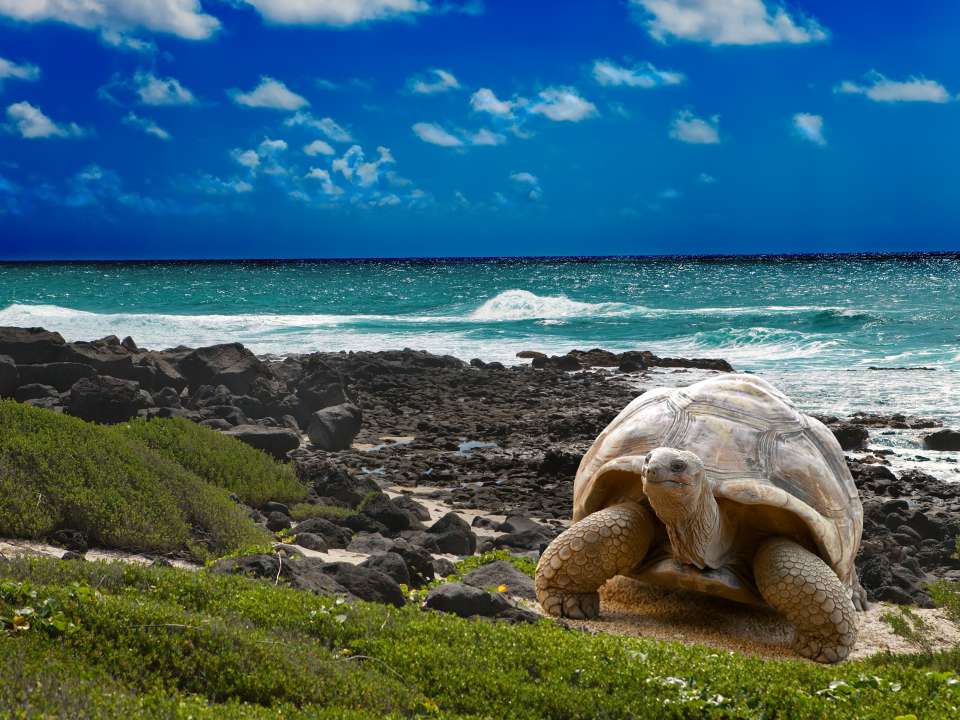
(943, 440)
(31, 345)
(106, 399)
(334, 428)
(9, 376)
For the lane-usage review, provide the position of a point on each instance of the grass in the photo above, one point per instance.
(161, 642)
(305, 511)
(160, 486)
(252, 475)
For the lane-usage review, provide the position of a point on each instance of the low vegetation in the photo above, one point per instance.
(161, 486)
(305, 511)
(136, 642)
(220, 460)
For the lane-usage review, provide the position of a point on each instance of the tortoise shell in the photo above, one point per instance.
(757, 450)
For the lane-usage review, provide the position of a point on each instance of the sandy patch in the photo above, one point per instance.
(629, 608)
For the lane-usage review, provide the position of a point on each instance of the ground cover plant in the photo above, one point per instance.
(163, 642)
(161, 486)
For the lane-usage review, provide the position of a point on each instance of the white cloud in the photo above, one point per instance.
(880, 89)
(319, 147)
(249, 159)
(32, 124)
(326, 182)
(809, 127)
(484, 100)
(123, 41)
(707, 178)
(184, 18)
(154, 90)
(355, 169)
(484, 137)
(727, 22)
(526, 186)
(336, 12)
(563, 104)
(269, 147)
(10, 70)
(271, 94)
(687, 127)
(644, 75)
(442, 82)
(146, 125)
(436, 135)
(212, 185)
(327, 126)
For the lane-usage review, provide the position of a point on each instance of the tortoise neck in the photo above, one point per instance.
(697, 534)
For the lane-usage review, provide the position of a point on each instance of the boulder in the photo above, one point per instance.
(166, 397)
(31, 345)
(391, 565)
(945, 439)
(382, 509)
(850, 435)
(35, 391)
(519, 523)
(411, 506)
(331, 481)
(369, 543)
(499, 573)
(106, 399)
(466, 601)
(9, 376)
(524, 540)
(277, 521)
(311, 541)
(230, 364)
(365, 583)
(272, 440)
(334, 535)
(334, 428)
(301, 573)
(453, 535)
(443, 567)
(419, 562)
(60, 375)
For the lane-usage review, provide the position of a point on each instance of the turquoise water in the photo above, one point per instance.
(814, 325)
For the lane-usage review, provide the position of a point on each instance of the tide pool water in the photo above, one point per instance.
(814, 326)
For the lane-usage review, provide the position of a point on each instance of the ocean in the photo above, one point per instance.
(815, 326)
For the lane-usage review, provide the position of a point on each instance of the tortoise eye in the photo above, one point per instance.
(678, 466)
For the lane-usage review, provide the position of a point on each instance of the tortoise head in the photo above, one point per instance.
(674, 481)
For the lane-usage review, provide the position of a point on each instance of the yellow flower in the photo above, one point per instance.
(501, 588)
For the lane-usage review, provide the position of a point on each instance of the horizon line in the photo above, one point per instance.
(891, 254)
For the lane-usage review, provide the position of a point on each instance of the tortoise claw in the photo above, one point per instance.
(573, 605)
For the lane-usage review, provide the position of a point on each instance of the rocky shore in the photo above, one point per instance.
(504, 441)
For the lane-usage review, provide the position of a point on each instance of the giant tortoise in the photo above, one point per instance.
(725, 488)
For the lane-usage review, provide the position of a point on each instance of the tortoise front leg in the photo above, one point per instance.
(574, 566)
(807, 591)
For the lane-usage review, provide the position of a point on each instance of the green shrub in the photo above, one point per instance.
(305, 511)
(229, 646)
(58, 472)
(254, 476)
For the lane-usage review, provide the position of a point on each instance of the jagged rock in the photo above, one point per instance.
(334, 535)
(229, 364)
(453, 535)
(391, 565)
(106, 399)
(850, 436)
(501, 572)
(9, 376)
(382, 509)
(419, 562)
(332, 481)
(366, 583)
(166, 397)
(301, 573)
(35, 391)
(311, 541)
(411, 506)
(334, 428)
(443, 567)
(367, 543)
(946, 439)
(273, 440)
(465, 601)
(525, 540)
(31, 345)
(277, 521)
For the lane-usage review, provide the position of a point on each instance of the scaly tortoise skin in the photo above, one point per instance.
(725, 488)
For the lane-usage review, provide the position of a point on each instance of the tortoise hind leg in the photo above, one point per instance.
(807, 591)
(607, 543)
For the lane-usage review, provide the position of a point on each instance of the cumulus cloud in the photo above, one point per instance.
(809, 127)
(687, 127)
(328, 126)
(881, 89)
(153, 90)
(727, 22)
(440, 81)
(271, 94)
(32, 124)
(10, 70)
(146, 125)
(706, 178)
(563, 104)
(526, 186)
(183, 18)
(644, 75)
(355, 168)
(484, 100)
(336, 12)
(326, 182)
(319, 147)
(483, 136)
(213, 185)
(435, 135)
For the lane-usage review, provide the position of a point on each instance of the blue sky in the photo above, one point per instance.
(345, 128)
